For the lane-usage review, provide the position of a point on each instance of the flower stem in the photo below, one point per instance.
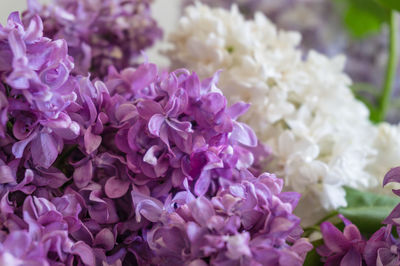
(391, 68)
(316, 227)
(327, 217)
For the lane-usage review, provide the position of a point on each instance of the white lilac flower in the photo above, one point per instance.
(302, 105)
(322, 28)
(387, 145)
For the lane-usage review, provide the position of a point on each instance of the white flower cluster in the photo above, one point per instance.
(387, 146)
(302, 106)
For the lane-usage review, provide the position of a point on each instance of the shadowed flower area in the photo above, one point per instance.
(99, 33)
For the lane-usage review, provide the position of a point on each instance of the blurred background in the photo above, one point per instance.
(166, 12)
(161, 8)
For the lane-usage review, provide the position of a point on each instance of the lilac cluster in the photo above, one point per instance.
(35, 92)
(99, 33)
(36, 89)
(40, 236)
(351, 248)
(100, 173)
(173, 126)
(246, 223)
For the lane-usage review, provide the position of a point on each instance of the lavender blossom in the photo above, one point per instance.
(18, 248)
(156, 134)
(247, 223)
(339, 248)
(41, 238)
(178, 127)
(99, 33)
(36, 89)
(382, 248)
(393, 176)
(350, 248)
(142, 131)
(90, 170)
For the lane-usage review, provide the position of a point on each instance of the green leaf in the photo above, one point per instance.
(313, 259)
(392, 4)
(367, 210)
(357, 198)
(362, 17)
(361, 22)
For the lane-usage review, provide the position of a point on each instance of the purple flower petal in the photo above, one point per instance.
(333, 238)
(18, 48)
(155, 124)
(238, 109)
(116, 188)
(150, 208)
(144, 76)
(92, 141)
(392, 176)
(19, 147)
(244, 134)
(20, 241)
(202, 184)
(6, 175)
(34, 30)
(105, 239)
(44, 150)
(84, 252)
(147, 109)
(202, 210)
(83, 174)
(351, 258)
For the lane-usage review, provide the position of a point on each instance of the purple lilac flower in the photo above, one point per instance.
(41, 238)
(247, 223)
(18, 248)
(90, 170)
(350, 247)
(37, 98)
(35, 90)
(322, 29)
(393, 176)
(174, 127)
(150, 137)
(339, 248)
(382, 248)
(99, 33)
(140, 131)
